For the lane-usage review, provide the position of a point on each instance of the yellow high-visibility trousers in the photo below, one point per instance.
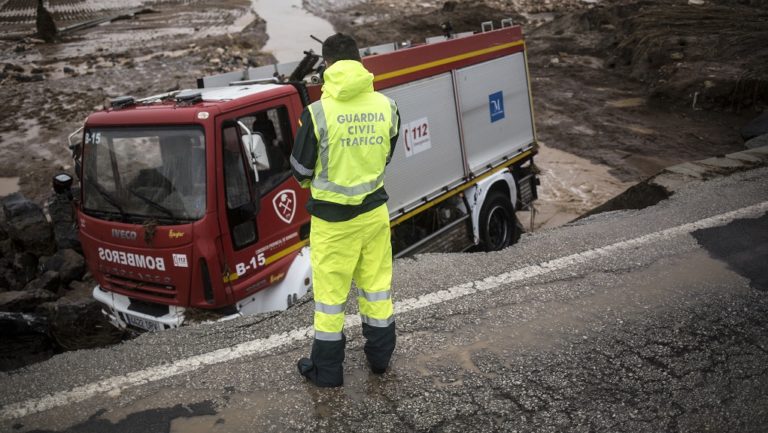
(358, 249)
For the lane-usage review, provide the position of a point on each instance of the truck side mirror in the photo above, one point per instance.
(248, 141)
(257, 151)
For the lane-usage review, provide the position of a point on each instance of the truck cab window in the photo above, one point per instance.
(274, 129)
(240, 210)
(141, 173)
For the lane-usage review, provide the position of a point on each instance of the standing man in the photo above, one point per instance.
(344, 142)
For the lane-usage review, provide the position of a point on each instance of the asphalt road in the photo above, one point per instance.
(630, 321)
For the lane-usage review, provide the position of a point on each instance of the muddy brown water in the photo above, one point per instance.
(289, 27)
(8, 185)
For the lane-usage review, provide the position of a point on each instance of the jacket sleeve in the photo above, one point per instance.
(304, 154)
(396, 130)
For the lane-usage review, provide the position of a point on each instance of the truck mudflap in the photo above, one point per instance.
(118, 312)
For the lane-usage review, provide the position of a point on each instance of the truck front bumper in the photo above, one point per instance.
(118, 311)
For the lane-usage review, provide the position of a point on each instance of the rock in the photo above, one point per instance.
(220, 50)
(676, 56)
(23, 340)
(25, 266)
(6, 248)
(756, 127)
(215, 61)
(68, 263)
(27, 225)
(759, 141)
(8, 279)
(80, 324)
(29, 78)
(16, 323)
(24, 301)
(10, 67)
(63, 220)
(68, 70)
(50, 281)
(80, 289)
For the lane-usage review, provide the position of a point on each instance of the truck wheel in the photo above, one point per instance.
(499, 227)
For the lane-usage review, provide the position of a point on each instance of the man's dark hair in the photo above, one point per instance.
(340, 47)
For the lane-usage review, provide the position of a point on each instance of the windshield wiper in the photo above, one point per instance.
(107, 196)
(155, 205)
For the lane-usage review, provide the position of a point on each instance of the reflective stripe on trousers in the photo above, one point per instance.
(359, 249)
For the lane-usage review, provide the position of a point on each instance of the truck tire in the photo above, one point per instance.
(499, 227)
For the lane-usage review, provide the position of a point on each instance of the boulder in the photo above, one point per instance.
(27, 225)
(758, 141)
(24, 301)
(68, 263)
(3, 227)
(6, 249)
(9, 281)
(25, 266)
(756, 127)
(23, 340)
(50, 281)
(79, 324)
(81, 289)
(15, 323)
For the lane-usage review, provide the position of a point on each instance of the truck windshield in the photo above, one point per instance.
(136, 174)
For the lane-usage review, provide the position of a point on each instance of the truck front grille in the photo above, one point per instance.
(124, 284)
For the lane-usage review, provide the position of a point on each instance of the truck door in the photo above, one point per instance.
(259, 234)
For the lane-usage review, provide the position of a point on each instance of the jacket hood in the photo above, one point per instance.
(346, 79)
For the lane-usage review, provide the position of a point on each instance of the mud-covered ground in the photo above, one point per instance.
(48, 89)
(632, 85)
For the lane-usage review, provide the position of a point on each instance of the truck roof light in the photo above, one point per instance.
(122, 102)
(189, 96)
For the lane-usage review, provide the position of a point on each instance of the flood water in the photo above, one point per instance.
(8, 185)
(289, 26)
(570, 186)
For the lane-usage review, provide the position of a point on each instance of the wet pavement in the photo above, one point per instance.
(644, 320)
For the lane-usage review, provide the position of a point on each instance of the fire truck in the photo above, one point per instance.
(187, 202)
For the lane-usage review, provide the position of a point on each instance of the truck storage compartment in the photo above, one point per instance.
(495, 110)
(427, 158)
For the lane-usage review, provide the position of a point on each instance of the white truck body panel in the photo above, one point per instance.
(495, 119)
(428, 166)
(490, 136)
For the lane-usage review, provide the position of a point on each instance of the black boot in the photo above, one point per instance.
(324, 367)
(379, 346)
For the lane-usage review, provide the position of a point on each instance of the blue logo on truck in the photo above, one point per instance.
(496, 105)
